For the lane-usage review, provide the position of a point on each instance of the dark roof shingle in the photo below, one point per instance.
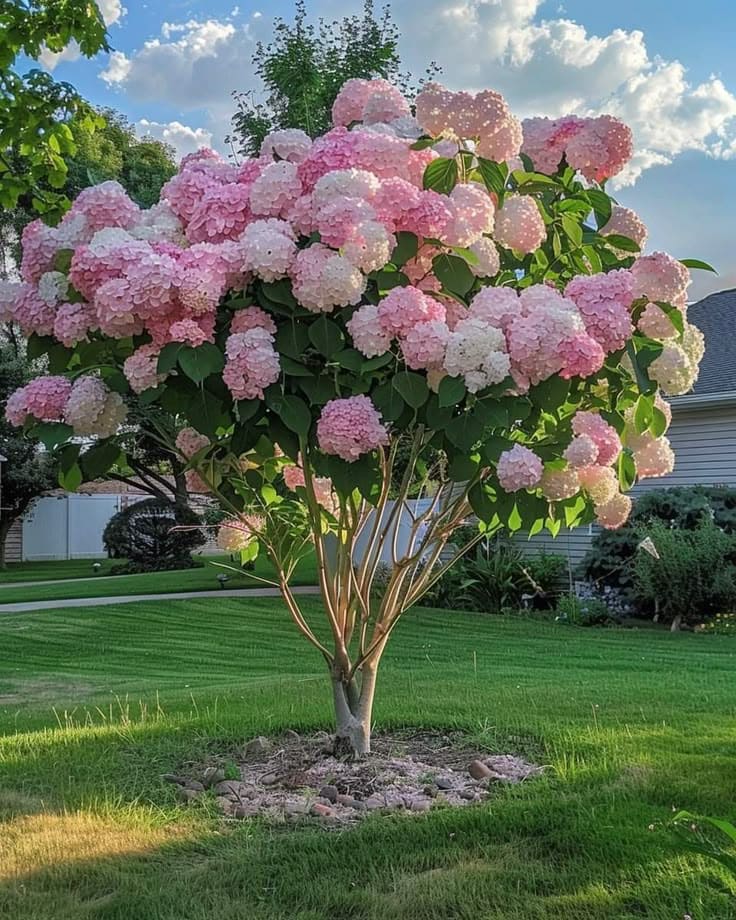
(715, 316)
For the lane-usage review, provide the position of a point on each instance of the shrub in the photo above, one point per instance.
(694, 576)
(144, 533)
(584, 611)
(722, 624)
(608, 561)
(546, 570)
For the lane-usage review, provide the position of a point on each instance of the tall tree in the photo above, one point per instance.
(303, 68)
(35, 137)
(28, 472)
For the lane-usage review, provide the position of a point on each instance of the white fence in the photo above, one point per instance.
(69, 526)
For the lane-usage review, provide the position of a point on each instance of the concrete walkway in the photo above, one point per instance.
(27, 606)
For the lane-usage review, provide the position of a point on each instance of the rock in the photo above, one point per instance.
(268, 779)
(244, 811)
(374, 802)
(225, 804)
(330, 793)
(296, 808)
(418, 804)
(256, 747)
(444, 783)
(291, 735)
(194, 785)
(468, 794)
(173, 778)
(187, 795)
(212, 776)
(478, 770)
(358, 805)
(229, 787)
(322, 811)
(431, 791)
(347, 800)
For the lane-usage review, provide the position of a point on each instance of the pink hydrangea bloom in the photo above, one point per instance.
(625, 222)
(72, 323)
(369, 246)
(94, 410)
(189, 442)
(252, 363)
(188, 331)
(431, 217)
(604, 301)
(404, 307)
(519, 224)
(385, 103)
(473, 215)
(614, 513)
(654, 457)
(275, 190)
(114, 309)
(233, 537)
(10, 293)
(488, 262)
(582, 451)
(545, 140)
(557, 485)
(106, 205)
(367, 333)
(350, 101)
(338, 219)
(222, 213)
(519, 468)
(44, 399)
(424, 345)
(32, 313)
(582, 356)
(340, 184)
(184, 191)
(39, 245)
(660, 277)
(252, 318)
(140, 369)
(294, 479)
(601, 148)
(267, 252)
(598, 430)
(600, 483)
(332, 151)
(476, 351)
(350, 427)
(674, 370)
(323, 280)
(107, 256)
(497, 305)
(289, 144)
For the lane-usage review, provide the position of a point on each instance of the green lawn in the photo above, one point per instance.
(202, 578)
(96, 703)
(45, 571)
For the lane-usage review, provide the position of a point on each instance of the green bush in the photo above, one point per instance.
(694, 576)
(584, 611)
(609, 561)
(153, 535)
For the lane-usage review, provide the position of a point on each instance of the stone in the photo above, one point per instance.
(322, 811)
(347, 800)
(431, 791)
(374, 802)
(467, 794)
(330, 793)
(296, 808)
(212, 776)
(194, 785)
(358, 805)
(268, 779)
(229, 787)
(187, 795)
(244, 811)
(256, 747)
(173, 778)
(418, 804)
(444, 783)
(291, 735)
(478, 770)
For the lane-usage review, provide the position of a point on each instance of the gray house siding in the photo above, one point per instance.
(704, 442)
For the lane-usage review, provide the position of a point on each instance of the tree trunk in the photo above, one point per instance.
(353, 715)
(676, 623)
(5, 525)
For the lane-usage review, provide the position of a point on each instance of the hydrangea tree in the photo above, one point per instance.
(445, 285)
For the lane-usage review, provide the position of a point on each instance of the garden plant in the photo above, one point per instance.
(435, 281)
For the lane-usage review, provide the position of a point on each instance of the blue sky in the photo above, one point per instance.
(668, 70)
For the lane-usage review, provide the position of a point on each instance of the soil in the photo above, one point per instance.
(296, 778)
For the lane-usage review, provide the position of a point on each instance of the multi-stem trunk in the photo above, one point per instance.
(353, 713)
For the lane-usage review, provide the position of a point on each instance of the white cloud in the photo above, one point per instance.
(112, 12)
(183, 138)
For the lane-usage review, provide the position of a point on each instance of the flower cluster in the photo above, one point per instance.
(598, 147)
(350, 427)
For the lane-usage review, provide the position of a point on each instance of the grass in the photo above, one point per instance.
(95, 704)
(203, 578)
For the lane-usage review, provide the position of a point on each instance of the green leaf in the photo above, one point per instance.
(366, 477)
(52, 434)
(205, 412)
(63, 260)
(601, 205)
(280, 292)
(643, 413)
(38, 345)
(550, 394)
(465, 431)
(292, 339)
(388, 280)
(626, 471)
(407, 246)
(326, 336)
(374, 364)
(71, 480)
(451, 391)
(462, 467)
(294, 368)
(318, 390)
(99, 459)
(621, 242)
(494, 446)
(292, 411)
(437, 416)
(198, 363)
(246, 409)
(658, 424)
(441, 175)
(493, 175)
(350, 359)
(573, 229)
(698, 263)
(453, 273)
(413, 388)
(481, 502)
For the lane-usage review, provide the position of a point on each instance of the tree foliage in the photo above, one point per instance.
(303, 68)
(35, 109)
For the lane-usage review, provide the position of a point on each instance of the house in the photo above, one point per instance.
(703, 430)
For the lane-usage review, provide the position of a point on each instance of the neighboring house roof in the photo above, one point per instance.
(715, 316)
